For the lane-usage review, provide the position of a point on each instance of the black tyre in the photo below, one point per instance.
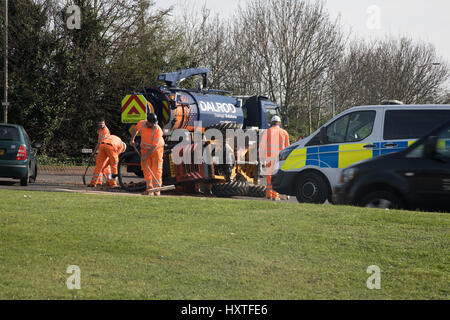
(34, 176)
(256, 191)
(312, 188)
(24, 181)
(128, 180)
(382, 199)
(230, 189)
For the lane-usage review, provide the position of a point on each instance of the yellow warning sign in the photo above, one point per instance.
(134, 108)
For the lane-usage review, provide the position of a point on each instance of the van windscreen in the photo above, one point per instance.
(412, 124)
(8, 133)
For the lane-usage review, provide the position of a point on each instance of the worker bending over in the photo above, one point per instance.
(273, 141)
(108, 155)
(152, 151)
(103, 133)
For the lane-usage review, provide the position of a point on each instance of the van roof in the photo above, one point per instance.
(403, 106)
(406, 105)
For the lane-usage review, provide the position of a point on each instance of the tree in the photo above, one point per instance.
(30, 69)
(398, 69)
(62, 80)
(280, 49)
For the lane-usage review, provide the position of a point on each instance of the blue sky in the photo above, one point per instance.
(422, 20)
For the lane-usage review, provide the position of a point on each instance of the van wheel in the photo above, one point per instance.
(312, 188)
(382, 199)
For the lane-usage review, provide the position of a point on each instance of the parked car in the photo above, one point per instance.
(415, 178)
(17, 154)
(310, 168)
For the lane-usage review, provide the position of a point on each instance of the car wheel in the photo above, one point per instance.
(24, 181)
(382, 199)
(34, 176)
(312, 188)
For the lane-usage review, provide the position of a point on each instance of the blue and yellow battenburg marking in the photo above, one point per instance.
(443, 145)
(338, 156)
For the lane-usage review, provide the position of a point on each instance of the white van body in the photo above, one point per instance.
(311, 167)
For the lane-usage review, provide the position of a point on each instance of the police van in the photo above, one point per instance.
(310, 168)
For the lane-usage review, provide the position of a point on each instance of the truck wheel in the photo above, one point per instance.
(382, 199)
(230, 189)
(256, 191)
(312, 188)
(125, 178)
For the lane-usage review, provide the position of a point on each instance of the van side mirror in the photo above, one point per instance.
(323, 135)
(430, 147)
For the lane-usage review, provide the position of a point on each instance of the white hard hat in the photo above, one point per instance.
(276, 119)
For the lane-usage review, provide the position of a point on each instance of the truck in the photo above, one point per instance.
(195, 123)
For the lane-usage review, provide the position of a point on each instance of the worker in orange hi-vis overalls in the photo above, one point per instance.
(152, 151)
(273, 141)
(103, 133)
(108, 154)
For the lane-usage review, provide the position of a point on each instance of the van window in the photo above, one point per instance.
(412, 124)
(9, 133)
(355, 126)
(360, 126)
(315, 141)
(443, 144)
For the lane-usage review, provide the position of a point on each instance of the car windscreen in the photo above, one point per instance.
(412, 124)
(8, 133)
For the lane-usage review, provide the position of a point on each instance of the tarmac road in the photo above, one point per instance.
(70, 180)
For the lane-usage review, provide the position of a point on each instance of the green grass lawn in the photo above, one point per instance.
(200, 248)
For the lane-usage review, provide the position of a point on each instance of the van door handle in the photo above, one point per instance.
(391, 145)
(370, 146)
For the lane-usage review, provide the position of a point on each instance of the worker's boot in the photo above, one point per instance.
(284, 197)
(157, 193)
(147, 193)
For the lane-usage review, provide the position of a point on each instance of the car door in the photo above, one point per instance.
(429, 177)
(349, 140)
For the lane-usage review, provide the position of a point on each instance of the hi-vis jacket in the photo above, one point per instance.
(103, 134)
(272, 142)
(150, 137)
